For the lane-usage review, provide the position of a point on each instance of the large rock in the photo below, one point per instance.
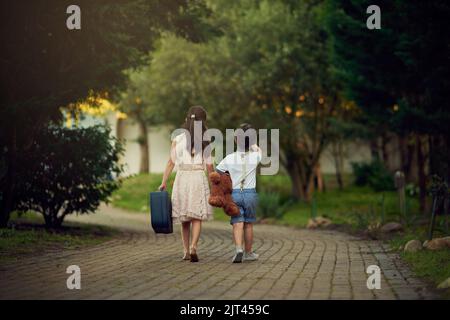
(391, 227)
(413, 246)
(444, 284)
(437, 243)
(318, 222)
(312, 224)
(323, 222)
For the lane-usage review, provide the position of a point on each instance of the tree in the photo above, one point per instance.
(182, 73)
(364, 63)
(188, 23)
(73, 171)
(344, 128)
(141, 111)
(45, 66)
(282, 51)
(268, 64)
(423, 101)
(398, 75)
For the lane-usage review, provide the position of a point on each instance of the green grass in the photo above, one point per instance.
(433, 266)
(134, 193)
(342, 207)
(28, 236)
(349, 206)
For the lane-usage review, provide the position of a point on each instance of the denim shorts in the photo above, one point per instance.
(247, 201)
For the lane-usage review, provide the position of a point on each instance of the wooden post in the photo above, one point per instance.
(433, 218)
(400, 186)
(314, 207)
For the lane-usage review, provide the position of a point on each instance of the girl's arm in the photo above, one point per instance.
(210, 168)
(209, 163)
(169, 167)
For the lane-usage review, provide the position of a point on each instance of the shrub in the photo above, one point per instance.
(373, 174)
(66, 171)
(270, 205)
(280, 183)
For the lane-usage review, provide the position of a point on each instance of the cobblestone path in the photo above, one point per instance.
(294, 264)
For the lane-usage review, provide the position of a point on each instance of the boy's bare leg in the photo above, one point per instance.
(248, 236)
(238, 232)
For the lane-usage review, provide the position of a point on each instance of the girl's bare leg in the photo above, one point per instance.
(196, 229)
(185, 235)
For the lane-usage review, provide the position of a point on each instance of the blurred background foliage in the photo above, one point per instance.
(310, 68)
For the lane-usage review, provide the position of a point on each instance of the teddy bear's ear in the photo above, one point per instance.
(214, 177)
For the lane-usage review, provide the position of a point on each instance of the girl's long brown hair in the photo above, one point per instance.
(195, 113)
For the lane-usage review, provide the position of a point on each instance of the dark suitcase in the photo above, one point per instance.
(161, 212)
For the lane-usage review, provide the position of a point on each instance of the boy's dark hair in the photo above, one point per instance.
(248, 139)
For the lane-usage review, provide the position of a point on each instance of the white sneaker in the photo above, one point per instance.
(251, 256)
(238, 256)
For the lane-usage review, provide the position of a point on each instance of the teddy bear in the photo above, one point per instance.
(221, 188)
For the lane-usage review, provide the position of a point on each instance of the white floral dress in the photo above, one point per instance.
(190, 190)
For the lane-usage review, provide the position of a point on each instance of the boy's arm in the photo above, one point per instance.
(255, 148)
(222, 166)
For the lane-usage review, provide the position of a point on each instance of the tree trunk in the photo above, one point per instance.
(310, 183)
(406, 156)
(374, 150)
(48, 220)
(318, 178)
(439, 157)
(120, 129)
(421, 174)
(52, 221)
(143, 143)
(338, 166)
(384, 151)
(296, 181)
(10, 181)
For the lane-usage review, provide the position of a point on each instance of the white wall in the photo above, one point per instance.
(159, 147)
(159, 150)
(354, 152)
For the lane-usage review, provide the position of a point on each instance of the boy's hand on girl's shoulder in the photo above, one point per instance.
(255, 147)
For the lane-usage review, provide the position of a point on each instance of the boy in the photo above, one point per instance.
(242, 166)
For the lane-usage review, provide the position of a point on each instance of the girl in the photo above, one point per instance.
(190, 191)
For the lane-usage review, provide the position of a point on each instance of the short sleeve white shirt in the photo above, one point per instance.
(241, 165)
